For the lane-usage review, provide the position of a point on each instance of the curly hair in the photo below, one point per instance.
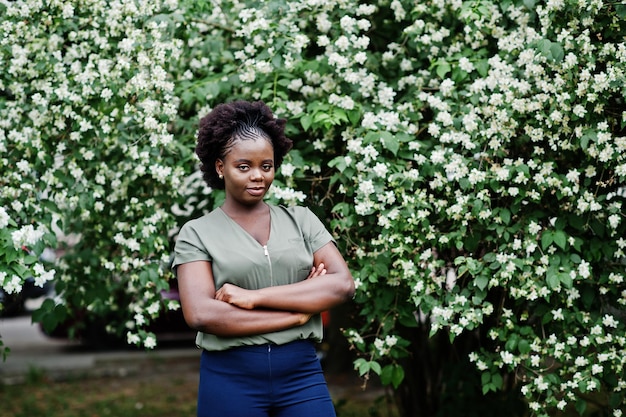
(228, 123)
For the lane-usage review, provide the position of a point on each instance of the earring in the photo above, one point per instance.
(220, 176)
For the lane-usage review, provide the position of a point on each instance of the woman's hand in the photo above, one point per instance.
(237, 296)
(317, 271)
(304, 318)
(242, 298)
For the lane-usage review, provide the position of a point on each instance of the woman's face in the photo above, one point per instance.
(248, 170)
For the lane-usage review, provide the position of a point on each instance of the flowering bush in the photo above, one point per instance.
(470, 156)
(88, 156)
(478, 164)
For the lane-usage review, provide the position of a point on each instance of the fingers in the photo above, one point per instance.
(317, 271)
(224, 293)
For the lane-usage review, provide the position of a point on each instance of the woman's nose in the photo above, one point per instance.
(256, 174)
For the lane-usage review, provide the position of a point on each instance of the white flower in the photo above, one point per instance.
(533, 228)
(507, 357)
(596, 369)
(558, 314)
(466, 65)
(609, 321)
(367, 187)
(140, 319)
(44, 277)
(289, 195)
(579, 110)
(4, 218)
(380, 169)
(287, 169)
(581, 361)
(354, 337)
(379, 344)
(153, 308)
(132, 338)
(12, 285)
(446, 87)
(438, 156)
(26, 236)
(583, 269)
(535, 361)
(391, 341)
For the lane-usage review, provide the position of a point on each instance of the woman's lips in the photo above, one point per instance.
(256, 191)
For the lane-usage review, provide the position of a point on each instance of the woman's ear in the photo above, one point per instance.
(219, 167)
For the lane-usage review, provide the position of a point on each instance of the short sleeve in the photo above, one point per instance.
(315, 233)
(188, 247)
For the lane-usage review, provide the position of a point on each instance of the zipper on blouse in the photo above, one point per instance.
(269, 262)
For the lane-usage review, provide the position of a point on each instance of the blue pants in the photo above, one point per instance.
(264, 381)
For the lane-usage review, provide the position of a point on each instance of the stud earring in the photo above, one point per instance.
(220, 176)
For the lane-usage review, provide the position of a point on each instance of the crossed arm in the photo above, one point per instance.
(234, 311)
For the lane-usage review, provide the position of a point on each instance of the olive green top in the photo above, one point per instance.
(237, 258)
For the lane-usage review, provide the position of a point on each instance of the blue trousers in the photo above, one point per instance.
(264, 381)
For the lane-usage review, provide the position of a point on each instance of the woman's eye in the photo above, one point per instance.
(267, 167)
(243, 167)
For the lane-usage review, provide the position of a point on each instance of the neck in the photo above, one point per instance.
(234, 209)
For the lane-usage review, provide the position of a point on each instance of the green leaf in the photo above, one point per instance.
(390, 142)
(481, 282)
(505, 215)
(49, 315)
(553, 281)
(566, 280)
(306, 121)
(482, 66)
(589, 135)
(556, 52)
(375, 366)
(560, 238)
(523, 346)
(485, 378)
(442, 68)
(362, 366)
(546, 239)
(511, 343)
(354, 116)
(381, 268)
(392, 374)
(339, 163)
(496, 380)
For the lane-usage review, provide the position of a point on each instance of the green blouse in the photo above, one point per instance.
(237, 258)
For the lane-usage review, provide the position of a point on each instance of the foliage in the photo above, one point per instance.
(88, 156)
(476, 155)
(471, 156)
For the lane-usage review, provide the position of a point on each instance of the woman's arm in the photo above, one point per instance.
(204, 313)
(329, 284)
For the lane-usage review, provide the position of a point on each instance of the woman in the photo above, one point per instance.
(254, 277)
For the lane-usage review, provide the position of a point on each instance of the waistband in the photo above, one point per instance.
(296, 345)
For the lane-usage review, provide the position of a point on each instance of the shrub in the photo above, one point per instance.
(470, 157)
(85, 107)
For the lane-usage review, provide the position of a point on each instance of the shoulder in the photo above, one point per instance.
(300, 215)
(206, 221)
(294, 212)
